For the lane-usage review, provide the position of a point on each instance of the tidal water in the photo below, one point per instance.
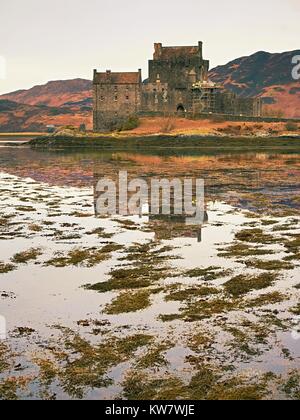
(210, 311)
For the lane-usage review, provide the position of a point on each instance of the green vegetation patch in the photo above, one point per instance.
(139, 386)
(207, 274)
(155, 357)
(246, 342)
(146, 269)
(206, 384)
(255, 236)
(4, 357)
(243, 250)
(9, 388)
(81, 366)
(35, 228)
(26, 256)
(296, 309)
(6, 268)
(266, 299)
(201, 341)
(191, 292)
(293, 245)
(129, 302)
(88, 257)
(197, 310)
(203, 309)
(293, 257)
(269, 265)
(243, 284)
(24, 209)
(149, 253)
(292, 386)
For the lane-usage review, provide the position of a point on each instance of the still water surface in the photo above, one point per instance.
(177, 293)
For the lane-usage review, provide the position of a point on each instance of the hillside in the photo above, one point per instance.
(57, 93)
(15, 117)
(266, 75)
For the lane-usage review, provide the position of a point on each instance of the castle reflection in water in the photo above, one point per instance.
(176, 225)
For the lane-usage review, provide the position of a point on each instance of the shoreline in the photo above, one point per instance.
(160, 141)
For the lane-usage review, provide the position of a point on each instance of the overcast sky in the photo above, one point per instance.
(44, 40)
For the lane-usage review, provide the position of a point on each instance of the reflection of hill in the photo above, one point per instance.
(237, 179)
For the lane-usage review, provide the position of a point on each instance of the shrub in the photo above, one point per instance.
(291, 126)
(130, 124)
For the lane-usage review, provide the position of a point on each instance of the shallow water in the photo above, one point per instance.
(48, 204)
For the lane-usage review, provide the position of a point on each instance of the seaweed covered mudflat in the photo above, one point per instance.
(138, 308)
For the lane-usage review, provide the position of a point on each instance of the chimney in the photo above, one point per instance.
(140, 75)
(200, 43)
(108, 75)
(95, 74)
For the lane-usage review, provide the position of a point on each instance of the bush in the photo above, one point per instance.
(130, 124)
(291, 126)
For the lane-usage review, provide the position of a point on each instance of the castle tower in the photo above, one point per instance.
(176, 69)
(116, 96)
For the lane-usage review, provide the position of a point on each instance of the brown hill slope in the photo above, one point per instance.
(56, 93)
(266, 75)
(16, 117)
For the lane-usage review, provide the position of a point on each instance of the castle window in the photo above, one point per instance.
(127, 98)
(116, 98)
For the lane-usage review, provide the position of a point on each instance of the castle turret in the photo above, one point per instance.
(157, 50)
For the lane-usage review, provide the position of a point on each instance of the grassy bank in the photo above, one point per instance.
(165, 142)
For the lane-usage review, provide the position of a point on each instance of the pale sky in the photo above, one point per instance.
(44, 40)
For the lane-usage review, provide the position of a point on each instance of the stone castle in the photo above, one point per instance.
(178, 84)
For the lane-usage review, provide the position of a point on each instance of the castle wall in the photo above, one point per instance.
(159, 97)
(155, 97)
(116, 97)
(231, 104)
